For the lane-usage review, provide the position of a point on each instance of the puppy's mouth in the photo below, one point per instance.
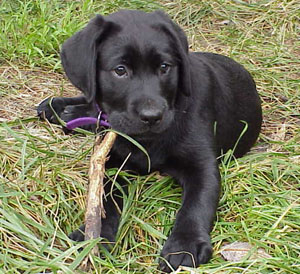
(147, 133)
(140, 130)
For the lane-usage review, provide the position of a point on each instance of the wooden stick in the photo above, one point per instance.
(95, 210)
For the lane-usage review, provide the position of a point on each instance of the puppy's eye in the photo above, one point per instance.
(121, 71)
(164, 68)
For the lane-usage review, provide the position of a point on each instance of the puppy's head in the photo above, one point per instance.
(135, 65)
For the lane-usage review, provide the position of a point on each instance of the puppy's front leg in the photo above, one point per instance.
(67, 109)
(189, 243)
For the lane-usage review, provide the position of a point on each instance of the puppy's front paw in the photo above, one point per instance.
(44, 110)
(78, 234)
(186, 250)
(106, 233)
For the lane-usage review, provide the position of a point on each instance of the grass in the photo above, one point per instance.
(43, 173)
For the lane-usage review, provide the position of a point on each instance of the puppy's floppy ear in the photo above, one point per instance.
(178, 37)
(79, 56)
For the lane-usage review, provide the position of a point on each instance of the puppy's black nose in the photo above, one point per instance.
(151, 116)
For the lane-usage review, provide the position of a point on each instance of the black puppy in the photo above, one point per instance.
(185, 108)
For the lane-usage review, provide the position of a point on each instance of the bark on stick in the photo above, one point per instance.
(95, 209)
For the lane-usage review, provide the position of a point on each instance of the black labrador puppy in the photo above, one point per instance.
(185, 108)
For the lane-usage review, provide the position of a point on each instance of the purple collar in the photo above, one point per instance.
(82, 121)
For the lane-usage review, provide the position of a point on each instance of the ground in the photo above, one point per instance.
(43, 172)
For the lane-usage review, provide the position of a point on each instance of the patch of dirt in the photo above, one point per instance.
(21, 90)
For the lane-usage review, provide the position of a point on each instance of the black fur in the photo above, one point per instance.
(183, 107)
